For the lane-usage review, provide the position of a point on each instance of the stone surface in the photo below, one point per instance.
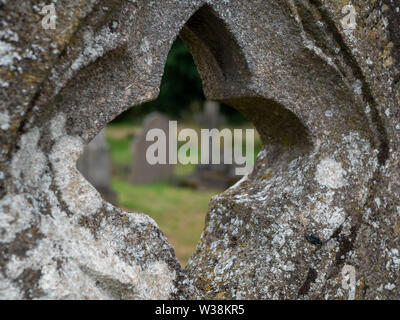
(142, 171)
(324, 99)
(95, 165)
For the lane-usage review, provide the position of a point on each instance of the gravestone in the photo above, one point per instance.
(212, 176)
(319, 216)
(210, 117)
(142, 171)
(95, 165)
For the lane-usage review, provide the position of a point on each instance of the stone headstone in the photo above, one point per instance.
(95, 165)
(142, 171)
(211, 176)
(210, 117)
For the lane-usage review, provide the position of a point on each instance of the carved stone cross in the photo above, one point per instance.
(324, 98)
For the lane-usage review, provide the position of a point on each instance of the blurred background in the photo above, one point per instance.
(176, 197)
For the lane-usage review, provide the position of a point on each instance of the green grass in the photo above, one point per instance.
(120, 150)
(180, 212)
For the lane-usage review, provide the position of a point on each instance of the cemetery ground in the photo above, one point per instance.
(179, 211)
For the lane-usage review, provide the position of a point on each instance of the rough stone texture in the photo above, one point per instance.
(325, 101)
(211, 117)
(142, 171)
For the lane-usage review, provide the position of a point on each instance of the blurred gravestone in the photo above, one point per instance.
(210, 176)
(142, 170)
(211, 117)
(95, 165)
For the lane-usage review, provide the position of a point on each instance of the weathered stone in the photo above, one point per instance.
(142, 171)
(325, 101)
(95, 165)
